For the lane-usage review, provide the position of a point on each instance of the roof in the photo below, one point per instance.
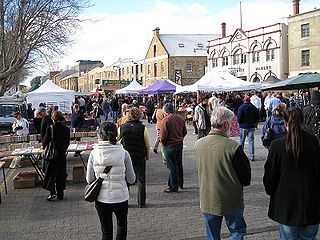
(50, 87)
(186, 44)
(70, 76)
(122, 62)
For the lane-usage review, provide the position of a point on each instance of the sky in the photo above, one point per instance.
(116, 29)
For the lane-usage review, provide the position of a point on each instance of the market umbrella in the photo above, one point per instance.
(305, 80)
(96, 94)
(270, 80)
(159, 88)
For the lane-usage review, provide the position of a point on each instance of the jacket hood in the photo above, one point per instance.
(277, 119)
(107, 154)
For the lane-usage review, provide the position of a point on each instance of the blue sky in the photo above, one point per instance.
(123, 28)
(127, 6)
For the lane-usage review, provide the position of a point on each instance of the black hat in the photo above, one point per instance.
(315, 98)
(168, 107)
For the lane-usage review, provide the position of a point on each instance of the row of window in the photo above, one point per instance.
(241, 58)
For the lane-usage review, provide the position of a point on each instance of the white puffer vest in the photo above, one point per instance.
(114, 187)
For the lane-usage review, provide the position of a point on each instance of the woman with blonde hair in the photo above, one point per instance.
(292, 180)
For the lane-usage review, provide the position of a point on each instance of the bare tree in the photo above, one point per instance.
(31, 30)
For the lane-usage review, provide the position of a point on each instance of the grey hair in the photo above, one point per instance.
(220, 115)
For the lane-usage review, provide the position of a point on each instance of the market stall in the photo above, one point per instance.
(133, 88)
(162, 87)
(219, 81)
(52, 95)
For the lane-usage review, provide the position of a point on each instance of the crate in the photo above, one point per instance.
(24, 181)
(25, 163)
(78, 174)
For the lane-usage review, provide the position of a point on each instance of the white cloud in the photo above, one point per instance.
(108, 37)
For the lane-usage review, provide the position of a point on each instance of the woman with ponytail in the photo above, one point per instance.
(292, 180)
(114, 195)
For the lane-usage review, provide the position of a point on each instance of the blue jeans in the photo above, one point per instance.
(106, 114)
(250, 133)
(302, 233)
(235, 223)
(173, 157)
(114, 116)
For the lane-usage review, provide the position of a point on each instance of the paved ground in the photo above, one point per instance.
(26, 214)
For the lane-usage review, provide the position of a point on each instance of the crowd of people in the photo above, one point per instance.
(292, 172)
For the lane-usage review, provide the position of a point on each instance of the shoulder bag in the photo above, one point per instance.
(91, 191)
(50, 151)
(268, 136)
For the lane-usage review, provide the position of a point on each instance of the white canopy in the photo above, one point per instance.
(51, 94)
(219, 81)
(132, 88)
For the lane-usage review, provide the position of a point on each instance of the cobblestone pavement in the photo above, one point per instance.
(26, 214)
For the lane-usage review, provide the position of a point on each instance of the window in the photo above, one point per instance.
(189, 66)
(132, 70)
(305, 58)
(148, 68)
(225, 61)
(162, 68)
(155, 70)
(154, 50)
(181, 45)
(141, 68)
(270, 55)
(305, 30)
(236, 57)
(215, 62)
(127, 70)
(256, 57)
(243, 58)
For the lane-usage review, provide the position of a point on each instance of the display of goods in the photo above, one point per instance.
(7, 161)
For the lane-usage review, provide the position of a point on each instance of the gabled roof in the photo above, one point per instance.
(186, 44)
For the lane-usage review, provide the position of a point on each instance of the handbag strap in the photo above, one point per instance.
(51, 131)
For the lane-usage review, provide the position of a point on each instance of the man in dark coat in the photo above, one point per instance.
(150, 109)
(311, 114)
(135, 139)
(248, 118)
(114, 108)
(55, 172)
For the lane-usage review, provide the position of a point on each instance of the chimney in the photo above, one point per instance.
(295, 7)
(156, 31)
(223, 30)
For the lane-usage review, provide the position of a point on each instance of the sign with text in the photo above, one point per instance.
(178, 76)
(115, 82)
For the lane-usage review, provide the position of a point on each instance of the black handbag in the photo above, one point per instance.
(91, 191)
(268, 136)
(50, 151)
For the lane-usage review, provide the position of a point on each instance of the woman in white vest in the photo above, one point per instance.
(114, 195)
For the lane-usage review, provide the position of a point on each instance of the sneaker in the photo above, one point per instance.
(168, 190)
(51, 197)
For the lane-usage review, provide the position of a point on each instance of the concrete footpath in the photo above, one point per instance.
(26, 214)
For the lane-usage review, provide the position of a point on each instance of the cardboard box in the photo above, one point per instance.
(23, 181)
(30, 174)
(78, 174)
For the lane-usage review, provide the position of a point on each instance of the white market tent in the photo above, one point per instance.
(219, 81)
(51, 94)
(133, 88)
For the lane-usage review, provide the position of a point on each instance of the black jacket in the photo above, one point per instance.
(77, 119)
(45, 123)
(294, 191)
(132, 139)
(55, 170)
(248, 115)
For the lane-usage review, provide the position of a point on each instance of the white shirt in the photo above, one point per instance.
(256, 101)
(82, 102)
(21, 123)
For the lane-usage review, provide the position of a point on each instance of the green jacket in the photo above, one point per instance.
(220, 189)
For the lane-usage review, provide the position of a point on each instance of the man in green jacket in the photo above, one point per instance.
(223, 170)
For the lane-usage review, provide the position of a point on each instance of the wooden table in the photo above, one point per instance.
(4, 179)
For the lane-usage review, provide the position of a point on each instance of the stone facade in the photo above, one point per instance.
(252, 55)
(304, 42)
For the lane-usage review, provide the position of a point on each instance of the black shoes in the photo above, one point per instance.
(168, 190)
(155, 150)
(51, 197)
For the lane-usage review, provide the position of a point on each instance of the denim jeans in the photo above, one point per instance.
(156, 143)
(302, 233)
(105, 211)
(114, 116)
(173, 157)
(106, 114)
(250, 133)
(235, 223)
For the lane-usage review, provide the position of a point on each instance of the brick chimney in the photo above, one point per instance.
(295, 7)
(156, 31)
(223, 30)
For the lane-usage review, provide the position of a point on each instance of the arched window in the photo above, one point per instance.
(215, 60)
(239, 57)
(270, 55)
(255, 55)
(225, 59)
